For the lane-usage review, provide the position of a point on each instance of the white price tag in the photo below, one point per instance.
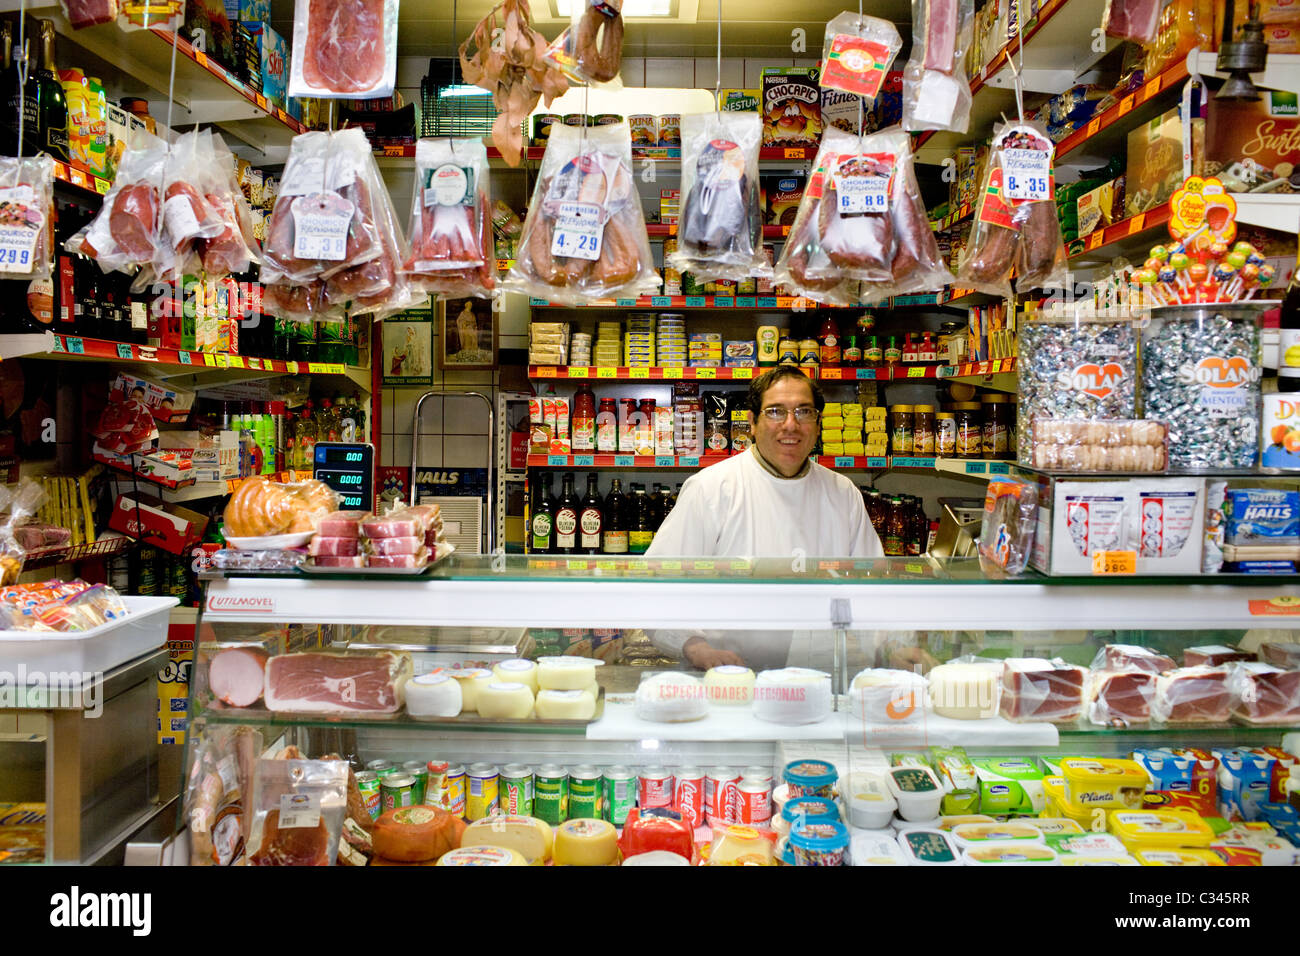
(578, 231)
(1028, 174)
(341, 171)
(320, 234)
(304, 178)
(179, 219)
(862, 194)
(299, 810)
(20, 225)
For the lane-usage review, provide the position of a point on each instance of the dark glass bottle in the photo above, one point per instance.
(915, 543)
(640, 533)
(615, 531)
(30, 105)
(541, 534)
(655, 506)
(667, 500)
(591, 519)
(566, 518)
(895, 536)
(53, 117)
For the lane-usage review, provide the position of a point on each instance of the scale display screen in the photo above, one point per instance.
(348, 468)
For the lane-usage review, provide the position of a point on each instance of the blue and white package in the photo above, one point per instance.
(1262, 516)
(1243, 783)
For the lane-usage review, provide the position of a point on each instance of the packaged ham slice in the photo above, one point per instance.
(322, 546)
(342, 524)
(1035, 689)
(1192, 695)
(585, 237)
(1267, 694)
(87, 13)
(344, 49)
(936, 92)
(411, 522)
(410, 545)
(123, 237)
(299, 807)
(1136, 20)
(862, 220)
(187, 217)
(451, 251)
(1120, 698)
(1118, 657)
(417, 560)
(26, 198)
(1015, 224)
(336, 683)
(720, 231)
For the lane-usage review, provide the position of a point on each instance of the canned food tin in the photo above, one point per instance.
(721, 795)
(397, 790)
(379, 766)
(435, 782)
(542, 124)
(759, 773)
(453, 791)
(608, 119)
(753, 802)
(618, 794)
(575, 119)
(584, 793)
(368, 784)
(418, 770)
(644, 128)
(551, 794)
(670, 129)
(517, 790)
(482, 796)
(688, 795)
(654, 788)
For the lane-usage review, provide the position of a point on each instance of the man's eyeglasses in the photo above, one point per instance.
(777, 414)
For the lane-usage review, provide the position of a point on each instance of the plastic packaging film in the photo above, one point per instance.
(450, 250)
(936, 93)
(344, 49)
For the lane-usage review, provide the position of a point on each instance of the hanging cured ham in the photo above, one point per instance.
(344, 48)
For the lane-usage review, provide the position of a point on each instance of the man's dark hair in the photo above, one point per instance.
(758, 387)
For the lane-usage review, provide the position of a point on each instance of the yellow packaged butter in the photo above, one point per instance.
(1106, 782)
(1179, 856)
(1159, 829)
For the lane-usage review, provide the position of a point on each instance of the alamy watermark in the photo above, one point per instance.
(56, 690)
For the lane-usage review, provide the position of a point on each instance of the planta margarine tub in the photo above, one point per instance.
(1104, 782)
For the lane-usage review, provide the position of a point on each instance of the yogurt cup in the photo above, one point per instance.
(810, 778)
(917, 791)
(820, 844)
(871, 805)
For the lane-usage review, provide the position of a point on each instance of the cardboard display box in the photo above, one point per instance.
(153, 521)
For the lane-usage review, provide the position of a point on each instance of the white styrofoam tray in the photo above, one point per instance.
(101, 649)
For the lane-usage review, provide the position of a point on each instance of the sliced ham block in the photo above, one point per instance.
(237, 674)
(404, 523)
(340, 561)
(343, 524)
(336, 683)
(1192, 694)
(322, 546)
(396, 545)
(416, 560)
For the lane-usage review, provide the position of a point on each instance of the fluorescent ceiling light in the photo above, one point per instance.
(460, 89)
(631, 8)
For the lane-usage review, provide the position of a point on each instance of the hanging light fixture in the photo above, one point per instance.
(1240, 58)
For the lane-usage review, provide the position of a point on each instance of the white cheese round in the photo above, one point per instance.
(965, 691)
(505, 700)
(565, 673)
(888, 697)
(671, 697)
(470, 679)
(566, 705)
(433, 695)
(517, 670)
(729, 685)
(657, 858)
(792, 695)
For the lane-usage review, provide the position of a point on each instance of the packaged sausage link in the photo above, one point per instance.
(585, 236)
(450, 251)
(186, 218)
(936, 93)
(1015, 224)
(298, 808)
(124, 235)
(720, 234)
(26, 198)
(591, 50)
(1007, 531)
(344, 49)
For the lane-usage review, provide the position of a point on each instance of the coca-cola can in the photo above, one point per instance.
(688, 795)
(654, 788)
(759, 773)
(721, 795)
(753, 802)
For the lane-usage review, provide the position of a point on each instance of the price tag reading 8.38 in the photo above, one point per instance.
(321, 224)
(578, 231)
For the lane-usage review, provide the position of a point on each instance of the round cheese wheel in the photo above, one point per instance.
(965, 691)
(657, 858)
(517, 671)
(482, 856)
(792, 695)
(470, 679)
(505, 700)
(671, 697)
(530, 837)
(887, 696)
(729, 685)
(413, 834)
(566, 705)
(565, 673)
(433, 695)
(586, 843)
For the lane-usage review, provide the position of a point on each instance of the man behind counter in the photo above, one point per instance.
(770, 501)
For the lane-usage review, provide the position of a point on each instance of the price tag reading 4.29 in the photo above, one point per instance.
(1028, 174)
(578, 231)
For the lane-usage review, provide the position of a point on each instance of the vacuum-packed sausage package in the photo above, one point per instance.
(26, 198)
(720, 231)
(584, 237)
(187, 218)
(1015, 224)
(861, 233)
(936, 92)
(451, 250)
(124, 235)
(592, 47)
(344, 49)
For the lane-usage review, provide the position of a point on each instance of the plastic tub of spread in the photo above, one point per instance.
(1125, 860)
(969, 835)
(876, 849)
(952, 821)
(810, 778)
(871, 805)
(1105, 782)
(1054, 826)
(807, 810)
(917, 791)
(925, 846)
(1179, 856)
(1015, 853)
(1086, 844)
(1159, 829)
(741, 846)
(820, 844)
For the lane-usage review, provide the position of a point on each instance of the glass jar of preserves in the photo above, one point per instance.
(900, 429)
(923, 430)
(970, 429)
(945, 434)
(997, 414)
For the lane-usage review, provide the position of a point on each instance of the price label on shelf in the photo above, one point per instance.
(1126, 105)
(624, 461)
(291, 368)
(639, 372)
(723, 302)
(794, 153)
(394, 151)
(661, 301)
(578, 231)
(742, 373)
(546, 371)
(1094, 126)
(916, 373)
(689, 461)
(557, 460)
(261, 101)
(1151, 89)
(695, 301)
(605, 371)
(1114, 562)
(58, 344)
(584, 461)
(577, 371)
(235, 361)
(844, 461)
(1135, 224)
(746, 302)
(123, 350)
(707, 373)
(664, 461)
(184, 358)
(102, 186)
(200, 58)
(831, 374)
(1096, 239)
(76, 346)
(671, 371)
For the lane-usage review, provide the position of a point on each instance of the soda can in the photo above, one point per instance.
(753, 802)
(380, 766)
(435, 785)
(418, 770)
(482, 795)
(584, 793)
(453, 791)
(618, 794)
(759, 773)
(517, 790)
(397, 790)
(551, 794)
(721, 796)
(654, 788)
(368, 784)
(688, 795)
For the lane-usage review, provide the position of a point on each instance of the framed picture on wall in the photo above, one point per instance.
(467, 334)
(408, 348)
